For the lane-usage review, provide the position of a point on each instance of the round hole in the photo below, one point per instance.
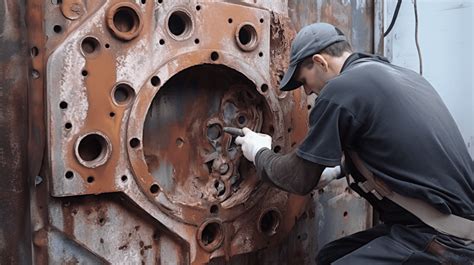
(69, 175)
(196, 41)
(264, 88)
(57, 28)
(107, 45)
(198, 7)
(35, 74)
(214, 209)
(154, 188)
(143, 1)
(93, 150)
(309, 106)
(68, 125)
(241, 119)
(63, 105)
(123, 94)
(277, 149)
(90, 46)
(124, 178)
(134, 142)
(261, 20)
(210, 235)
(155, 81)
(112, 114)
(90, 179)
(160, 1)
(84, 73)
(247, 37)
(214, 131)
(180, 24)
(179, 142)
(345, 214)
(269, 222)
(230, 20)
(214, 56)
(162, 42)
(124, 20)
(34, 51)
(260, 54)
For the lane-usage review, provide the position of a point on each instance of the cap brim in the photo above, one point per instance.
(288, 82)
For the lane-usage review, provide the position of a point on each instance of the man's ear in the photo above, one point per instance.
(318, 59)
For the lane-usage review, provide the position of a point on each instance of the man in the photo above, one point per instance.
(395, 123)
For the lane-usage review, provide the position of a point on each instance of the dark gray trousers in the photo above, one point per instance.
(397, 244)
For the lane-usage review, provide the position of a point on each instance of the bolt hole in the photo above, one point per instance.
(134, 142)
(69, 175)
(90, 46)
(155, 81)
(214, 209)
(68, 125)
(309, 106)
(211, 234)
(179, 142)
(247, 37)
(63, 105)
(162, 42)
(345, 214)
(264, 88)
(277, 149)
(214, 56)
(241, 119)
(124, 178)
(180, 23)
(198, 7)
(57, 28)
(261, 20)
(160, 1)
(107, 45)
(123, 94)
(269, 222)
(90, 179)
(260, 54)
(154, 188)
(92, 147)
(290, 129)
(34, 51)
(196, 41)
(112, 114)
(230, 20)
(84, 73)
(214, 131)
(143, 1)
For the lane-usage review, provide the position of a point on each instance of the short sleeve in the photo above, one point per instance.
(331, 129)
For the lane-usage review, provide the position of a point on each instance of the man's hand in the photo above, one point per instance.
(329, 174)
(252, 142)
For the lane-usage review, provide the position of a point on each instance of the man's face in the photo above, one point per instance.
(312, 73)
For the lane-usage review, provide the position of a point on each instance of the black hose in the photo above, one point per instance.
(394, 18)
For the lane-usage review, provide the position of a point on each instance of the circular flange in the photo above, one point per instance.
(124, 20)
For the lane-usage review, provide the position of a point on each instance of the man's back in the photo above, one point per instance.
(401, 128)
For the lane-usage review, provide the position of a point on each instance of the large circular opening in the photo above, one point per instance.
(269, 222)
(247, 37)
(210, 235)
(183, 138)
(124, 21)
(180, 24)
(93, 150)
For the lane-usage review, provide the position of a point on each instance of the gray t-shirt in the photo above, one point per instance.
(397, 123)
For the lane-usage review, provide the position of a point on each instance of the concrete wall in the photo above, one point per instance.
(445, 33)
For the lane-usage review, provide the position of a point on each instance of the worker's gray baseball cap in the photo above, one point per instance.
(310, 40)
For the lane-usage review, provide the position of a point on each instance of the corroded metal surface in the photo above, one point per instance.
(138, 168)
(127, 161)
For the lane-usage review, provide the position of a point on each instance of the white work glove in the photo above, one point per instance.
(252, 142)
(329, 174)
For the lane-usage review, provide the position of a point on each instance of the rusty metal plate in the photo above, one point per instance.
(138, 168)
